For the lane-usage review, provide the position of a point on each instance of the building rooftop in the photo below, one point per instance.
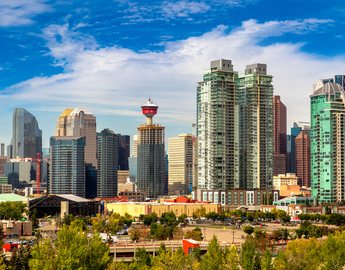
(71, 197)
(66, 113)
(329, 89)
(12, 198)
(79, 109)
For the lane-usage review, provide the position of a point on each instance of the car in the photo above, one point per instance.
(264, 225)
(276, 221)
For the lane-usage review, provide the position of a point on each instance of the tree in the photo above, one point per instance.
(142, 258)
(147, 220)
(266, 260)
(248, 229)
(212, 215)
(34, 219)
(194, 234)
(182, 218)
(214, 258)
(203, 212)
(247, 254)
(169, 218)
(134, 234)
(317, 200)
(73, 249)
(264, 199)
(20, 257)
(333, 251)
(250, 217)
(154, 217)
(12, 210)
(270, 199)
(300, 255)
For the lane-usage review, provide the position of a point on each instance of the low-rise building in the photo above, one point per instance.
(5, 189)
(288, 190)
(139, 196)
(13, 228)
(284, 179)
(137, 209)
(232, 199)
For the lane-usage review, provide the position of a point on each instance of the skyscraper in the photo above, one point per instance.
(107, 158)
(26, 138)
(2, 154)
(180, 164)
(279, 136)
(67, 169)
(80, 122)
(303, 159)
(124, 151)
(327, 142)
(256, 128)
(217, 127)
(295, 131)
(151, 154)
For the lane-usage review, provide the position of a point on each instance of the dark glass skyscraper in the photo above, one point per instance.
(107, 162)
(26, 138)
(67, 171)
(124, 151)
(151, 154)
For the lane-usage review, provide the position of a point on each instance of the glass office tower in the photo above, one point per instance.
(107, 158)
(26, 138)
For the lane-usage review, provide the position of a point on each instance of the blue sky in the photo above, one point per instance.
(108, 55)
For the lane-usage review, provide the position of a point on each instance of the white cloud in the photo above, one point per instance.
(115, 80)
(20, 12)
(183, 8)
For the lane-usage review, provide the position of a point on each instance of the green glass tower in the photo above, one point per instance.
(327, 112)
(256, 128)
(217, 127)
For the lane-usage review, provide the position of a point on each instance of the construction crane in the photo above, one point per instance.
(38, 169)
(195, 162)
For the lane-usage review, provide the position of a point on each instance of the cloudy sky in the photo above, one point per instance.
(111, 55)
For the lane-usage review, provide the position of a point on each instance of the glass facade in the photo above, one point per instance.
(132, 162)
(26, 138)
(67, 171)
(107, 164)
(328, 143)
(123, 151)
(90, 182)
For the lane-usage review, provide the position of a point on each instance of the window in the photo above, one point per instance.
(235, 198)
(210, 197)
(241, 197)
(205, 197)
(223, 198)
(229, 198)
(258, 198)
(216, 198)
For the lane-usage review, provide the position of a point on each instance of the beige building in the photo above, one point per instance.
(135, 145)
(122, 177)
(130, 186)
(180, 164)
(137, 209)
(80, 122)
(5, 189)
(284, 179)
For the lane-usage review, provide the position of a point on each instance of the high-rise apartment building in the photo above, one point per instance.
(124, 151)
(327, 112)
(180, 164)
(339, 79)
(302, 147)
(67, 165)
(2, 150)
(279, 136)
(256, 128)
(151, 154)
(26, 138)
(80, 122)
(235, 128)
(107, 158)
(217, 127)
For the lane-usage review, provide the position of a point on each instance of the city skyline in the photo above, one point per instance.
(60, 55)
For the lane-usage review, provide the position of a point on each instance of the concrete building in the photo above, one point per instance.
(123, 151)
(279, 136)
(327, 112)
(134, 196)
(107, 158)
(217, 127)
(67, 173)
(151, 154)
(285, 179)
(2, 150)
(303, 159)
(122, 177)
(80, 122)
(26, 137)
(135, 145)
(5, 189)
(256, 128)
(3, 160)
(126, 187)
(232, 199)
(287, 190)
(180, 164)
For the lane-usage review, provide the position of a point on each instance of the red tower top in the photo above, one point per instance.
(149, 109)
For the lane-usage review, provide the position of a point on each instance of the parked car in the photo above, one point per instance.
(276, 221)
(264, 225)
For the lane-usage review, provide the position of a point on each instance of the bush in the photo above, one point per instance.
(134, 234)
(248, 229)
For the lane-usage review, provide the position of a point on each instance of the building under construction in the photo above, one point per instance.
(151, 154)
